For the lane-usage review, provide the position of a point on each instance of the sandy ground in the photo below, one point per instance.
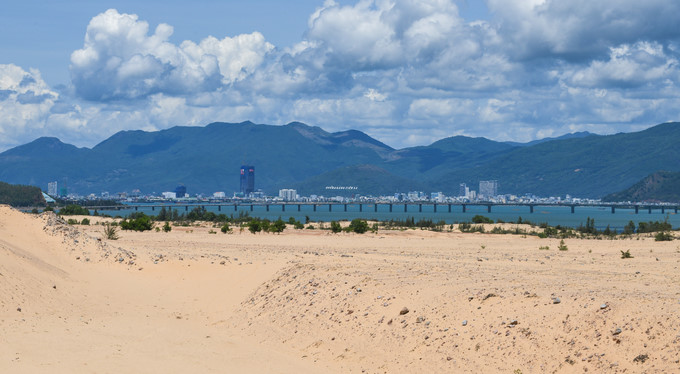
(310, 301)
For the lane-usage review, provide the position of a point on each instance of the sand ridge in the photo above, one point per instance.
(311, 301)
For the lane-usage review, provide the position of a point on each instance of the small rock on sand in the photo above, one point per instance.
(403, 311)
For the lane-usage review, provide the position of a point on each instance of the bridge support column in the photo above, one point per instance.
(663, 210)
(330, 207)
(420, 208)
(573, 209)
(390, 208)
(345, 207)
(153, 208)
(219, 208)
(299, 206)
(375, 207)
(531, 208)
(361, 207)
(405, 208)
(251, 207)
(314, 207)
(613, 209)
(637, 209)
(435, 208)
(488, 208)
(235, 207)
(464, 208)
(186, 208)
(283, 207)
(449, 208)
(267, 205)
(676, 210)
(135, 209)
(649, 209)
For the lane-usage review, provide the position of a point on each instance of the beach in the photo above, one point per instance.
(309, 301)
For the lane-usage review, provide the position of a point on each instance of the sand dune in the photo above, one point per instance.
(311, 301)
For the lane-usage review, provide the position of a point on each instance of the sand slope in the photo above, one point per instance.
(311, 301)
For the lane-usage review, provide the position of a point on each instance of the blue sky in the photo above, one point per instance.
(407, 72)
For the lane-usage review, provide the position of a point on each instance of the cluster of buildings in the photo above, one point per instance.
(487, 192)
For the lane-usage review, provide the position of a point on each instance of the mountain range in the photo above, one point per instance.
(207, 159)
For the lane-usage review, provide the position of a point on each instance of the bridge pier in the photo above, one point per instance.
(135, 209)
(464, 208)
(420, 208)
(405, 208)
(361, 207)
(573, 209)
(251, 207)
(219, 208)
(435, 208)
(235, 207)
(676, 210)
(267, 205)
(330, 207)
(390, 208)
(613, 209)
(299, 206)
(314, 205)
(153, 208)
(637, 209)
(345, 207)
(650, 209)
(375, 207)
(449, 208)
(488, 208)
(283, 207)
(663, 210)
(531, 208)
(186, 208)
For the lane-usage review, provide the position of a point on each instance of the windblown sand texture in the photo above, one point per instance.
(310, 301)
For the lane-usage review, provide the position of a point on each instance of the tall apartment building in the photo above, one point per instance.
(247, 179)
(488, 188)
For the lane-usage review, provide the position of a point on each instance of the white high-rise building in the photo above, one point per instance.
(288, 194)
(52, 188)
(488, 189)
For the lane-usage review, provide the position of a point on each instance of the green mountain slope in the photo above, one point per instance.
(588, 167)
(20, 196)
(662, 186)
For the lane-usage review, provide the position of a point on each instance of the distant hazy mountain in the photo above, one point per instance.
(660, 186)
(207, 159)
(581, 134)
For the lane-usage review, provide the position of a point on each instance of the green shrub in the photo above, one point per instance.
(358, 226)
(562, 246)
(626, 254)
(663, 236)
(85, 221)
(481, 219)
(167, 227)
(254, 226)
(137, 222)
(225, 228)
(73, 210)
(335, 227)
(72, 221)
(110, 231)
(278, 226)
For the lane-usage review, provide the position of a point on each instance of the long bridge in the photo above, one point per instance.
(407, 207)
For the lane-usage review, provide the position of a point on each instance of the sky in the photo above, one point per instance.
(406, 72)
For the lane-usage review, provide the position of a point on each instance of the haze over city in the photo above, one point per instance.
(405, 72)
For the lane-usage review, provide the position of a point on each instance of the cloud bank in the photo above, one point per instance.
(407, 72)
